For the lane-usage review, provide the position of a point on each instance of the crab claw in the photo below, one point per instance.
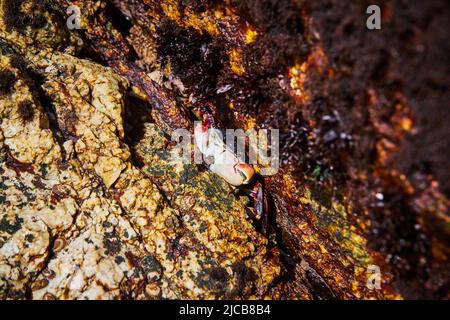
(246, 171)
(237, 175)
(225, 162)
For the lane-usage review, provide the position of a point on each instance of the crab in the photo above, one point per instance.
(226, 164)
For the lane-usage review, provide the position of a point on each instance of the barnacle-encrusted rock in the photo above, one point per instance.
(96, 204)
(79, 220)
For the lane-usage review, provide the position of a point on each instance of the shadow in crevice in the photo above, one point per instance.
(136, 115)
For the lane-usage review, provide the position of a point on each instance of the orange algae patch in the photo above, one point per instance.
(298, 74)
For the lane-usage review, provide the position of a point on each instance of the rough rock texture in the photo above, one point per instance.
(94, 203)
(80, 220)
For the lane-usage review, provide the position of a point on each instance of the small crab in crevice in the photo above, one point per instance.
(226, 164)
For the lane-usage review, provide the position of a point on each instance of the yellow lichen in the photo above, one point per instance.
(297, 76)
(236, 62)
(250, 36)
(251, 123)
(204, 22)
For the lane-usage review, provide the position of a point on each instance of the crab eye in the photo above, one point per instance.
(246, 172)
(242, 173)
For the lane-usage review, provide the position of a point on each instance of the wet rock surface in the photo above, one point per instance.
(95, 204)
